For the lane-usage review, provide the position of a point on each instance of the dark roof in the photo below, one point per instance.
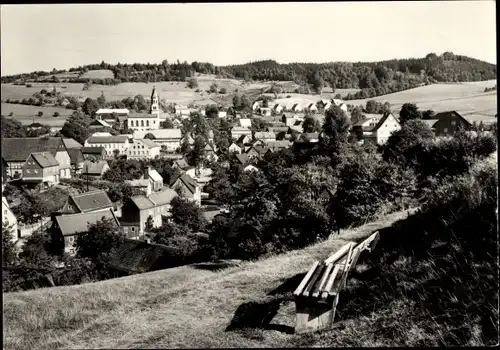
(92, 150)
(155, 199)
(74, 223)
(181, 163)
(44, 159)
(19, 149)
(70, 143)
(243, 158)
(241, 138)
(382, 121)
(76, 155)
(90, 201)
(187, 180)
(134, 256)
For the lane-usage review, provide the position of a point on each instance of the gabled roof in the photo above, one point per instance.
(277, 129)
(107, 139)
(264, 135)
(90, 201)
(208, 148)
(243, 158)
(154, 200)
(138, 182)
(19, 149)
(278, 144)
(240, 128)
(430, 122)
(76, 155)
(478, 118)
(71, 144)
(75, 223)
(161, 134)
(187, 180)
(241, 139)
(92, 168)
(154, 175)
(181, 163)
(44, 159)
(382, 121)
(149, 143)
(142, 116)
(92, 150)
(112, 110)
(135, 256)
(100, 123)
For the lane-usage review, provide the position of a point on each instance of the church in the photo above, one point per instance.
(146, 121)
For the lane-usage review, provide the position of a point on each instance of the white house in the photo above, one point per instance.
(312, 107)
(110, 144)
(235, 148)
(237, 131)
(222, 114)
(188, 186)
(143, 149)
(256, 105)
(245, 122)
(277, 108)
(169, 139)
(297, 108)
(382, 130)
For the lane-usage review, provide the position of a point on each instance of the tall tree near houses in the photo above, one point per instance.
(408, 112)
(101, 100)
(8, 247)
(334, 138)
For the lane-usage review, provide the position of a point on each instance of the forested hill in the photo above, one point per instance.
(374, 78)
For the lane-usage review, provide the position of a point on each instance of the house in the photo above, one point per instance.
(234, 147)
(248, 168)
(257, 151)
(168, 139)
(143, 185)
(340, 104)
(255, 143)
(237, 131)
(265, 111)
(297, 108)
(98, 124)
(111, 113)
(16, 151)
(430, 123)
(65, 228)
(312, 107)
(143, 149)
(9, 218)
(275, 146)
(41, 168)
(366, 125)
(71, 144)
(87, 202)
(245, 122)
(265, 136)
(94, 170)
(77, 159)
(136, 210)
(135, 256)
(188, 186)
(380, 133)
(210, 153)
(277, 108)
(154, 178)
(113, 145)
(93, 153)
(177, 123)
(181, 164)
(449, 122)
(256, 105)
(277, 130)
(243, 158)
(181, 110)
(222, 114)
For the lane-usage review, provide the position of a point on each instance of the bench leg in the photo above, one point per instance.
(314, 314)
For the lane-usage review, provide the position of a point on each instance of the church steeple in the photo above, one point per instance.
(155, 103)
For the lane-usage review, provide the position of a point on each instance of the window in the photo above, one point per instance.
(133, 229)
(142, 122)
(28, 171)
(36, 171)
(5, 212)
(453, 122)
(147, 122)
(445, 131)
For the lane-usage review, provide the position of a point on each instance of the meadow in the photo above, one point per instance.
(25, 114)
(188, 306)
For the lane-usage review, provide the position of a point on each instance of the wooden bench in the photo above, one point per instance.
(317, 295)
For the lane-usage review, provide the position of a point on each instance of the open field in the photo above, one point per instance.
(462, 97)
(25, 113)
(98, 74)
(189, 306)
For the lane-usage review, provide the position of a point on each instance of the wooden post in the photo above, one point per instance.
(314, 314)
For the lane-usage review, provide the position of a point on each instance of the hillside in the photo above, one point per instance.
(189, 306)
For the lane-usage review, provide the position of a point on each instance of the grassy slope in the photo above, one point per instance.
(180, 307)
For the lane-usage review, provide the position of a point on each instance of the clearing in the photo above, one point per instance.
(189, 306)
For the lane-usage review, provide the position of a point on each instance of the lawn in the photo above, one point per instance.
(189, 306)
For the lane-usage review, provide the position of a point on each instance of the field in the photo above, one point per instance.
(462, 97)
(25, 113)
(98, 74)
(189, 306)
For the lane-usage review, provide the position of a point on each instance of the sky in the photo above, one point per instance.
(61, 36)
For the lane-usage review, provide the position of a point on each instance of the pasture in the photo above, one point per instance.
(98, 74)
(25, 114)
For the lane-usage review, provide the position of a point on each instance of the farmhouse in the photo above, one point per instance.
(94, 170)
(188, 186)
(237, 131)
(168, 139)
(41, 168)
(87, 202)
(235, 147)
(65, 228)
(275, 146)
(182, 165)
(382, 130)
(256, 105)
(447, 123)
(297, 108)
(110, 143)
(16, 151)
(222, 114)
(143, 149)
(137, 209)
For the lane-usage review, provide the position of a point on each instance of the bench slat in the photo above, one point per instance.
(306, 278)
(355, 257)
(347, 268)
(329, 285)
(310, 285)
(323, 280)
(339, 254)
(376, 238)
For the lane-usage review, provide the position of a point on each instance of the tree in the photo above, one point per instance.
(99, 241)
(40, 114)
(197, 154)
(167, 124)
(335, 134)
(318, 83)
(212, 111)
(90, 106)
(223, 91)
(409, 111)
(428, 114)
(236, 101)
(56, 114)
(187, 213)
(356, 115)
(101, 100)
(149, 224)
(213, 88)
(9, 255)
(76, 127)
(12, 128)
(192, 83)
(311, 124)
(32, 209)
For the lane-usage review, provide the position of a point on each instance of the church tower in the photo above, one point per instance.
(155, 104)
